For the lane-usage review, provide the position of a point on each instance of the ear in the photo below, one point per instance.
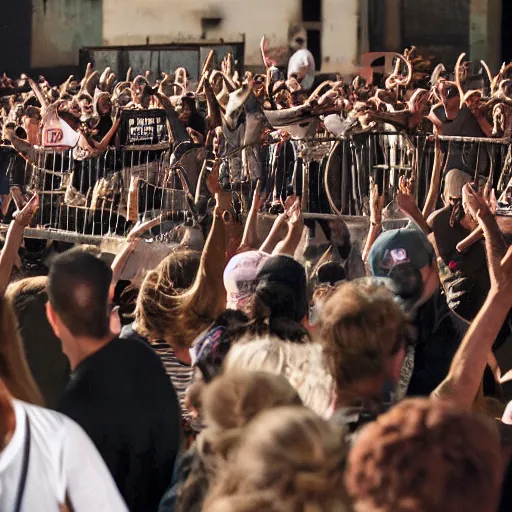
(115, 323)
(52, 319)
(395, 364)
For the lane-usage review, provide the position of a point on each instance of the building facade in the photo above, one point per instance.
(46, 35)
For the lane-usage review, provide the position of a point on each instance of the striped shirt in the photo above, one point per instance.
(181, 374)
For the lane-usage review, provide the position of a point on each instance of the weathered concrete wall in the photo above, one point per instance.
(61, 27)
(162, 21)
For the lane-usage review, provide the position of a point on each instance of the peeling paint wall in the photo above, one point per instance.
(61, 27)
(128, 22)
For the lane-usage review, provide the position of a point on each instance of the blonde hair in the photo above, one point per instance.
(361, 327)
(14, 369)
(230, 402)
(301, 363)
(424, 456)
(288, 459)
(454, 182)
(162, 306)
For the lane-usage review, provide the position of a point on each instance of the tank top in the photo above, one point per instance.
(463, 156)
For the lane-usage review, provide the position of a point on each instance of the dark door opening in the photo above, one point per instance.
(312, 19)
(506, 33)
(15, 37)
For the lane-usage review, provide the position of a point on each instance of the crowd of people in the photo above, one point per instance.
(236, 375)
(253, 122)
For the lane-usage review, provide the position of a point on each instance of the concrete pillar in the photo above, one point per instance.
(340, 45)
(393, 38)
(485, 32)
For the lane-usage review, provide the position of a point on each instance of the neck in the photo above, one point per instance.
(365, 390)
(77, 349)
(451, 112)
(7, 417)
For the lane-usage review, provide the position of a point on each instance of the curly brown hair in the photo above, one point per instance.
(423, 456)
(360, 328)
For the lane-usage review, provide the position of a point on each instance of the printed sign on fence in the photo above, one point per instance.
(143, 127)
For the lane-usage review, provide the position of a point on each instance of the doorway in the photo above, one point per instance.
(312, 21)
(506, 33)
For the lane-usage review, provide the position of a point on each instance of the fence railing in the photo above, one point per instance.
(102, 196)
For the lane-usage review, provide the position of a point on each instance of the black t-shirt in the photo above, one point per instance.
(439, 334)
(464, 276)
(125, 402)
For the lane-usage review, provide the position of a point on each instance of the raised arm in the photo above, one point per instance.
(132, 240)
(376, 206)
(466, 371)
(178, 131)
(103, 145)
(207, 295)
(289, 245)
(250, 236)
(435, 182)
(14, 239)
(407, 204)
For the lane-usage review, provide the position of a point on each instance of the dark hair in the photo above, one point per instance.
(78, 290)
(331, 272)
(452, 92)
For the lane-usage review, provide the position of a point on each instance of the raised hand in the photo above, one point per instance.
(404, 198)
(26, 214)
(376, 203)
(475, 205)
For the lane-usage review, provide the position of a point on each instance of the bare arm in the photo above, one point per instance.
(288, 246)
(466, 371)
(132, 240)
(103, 145)
(14, 239)
(250, 236)
(207, 295)
(484, 124)
(435, 182)
(376, 206)
(274, 235)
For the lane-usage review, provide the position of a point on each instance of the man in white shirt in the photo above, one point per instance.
(302, 65)
(47, 460)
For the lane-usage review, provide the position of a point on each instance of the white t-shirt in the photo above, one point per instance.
(62, 460)
(303, 58)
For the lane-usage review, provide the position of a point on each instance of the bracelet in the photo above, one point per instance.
(376, 224)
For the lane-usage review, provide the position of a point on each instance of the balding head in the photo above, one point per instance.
(78, 293)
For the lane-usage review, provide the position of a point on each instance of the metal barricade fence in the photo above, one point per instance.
(80, 199)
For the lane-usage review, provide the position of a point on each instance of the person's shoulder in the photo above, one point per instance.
(439, 215)
(41, 418)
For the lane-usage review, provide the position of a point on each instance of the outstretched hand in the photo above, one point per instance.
(405, 198)
(475, 205)
(376, 203)
(26, 214)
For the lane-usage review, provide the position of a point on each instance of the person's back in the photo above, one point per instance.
(118, 391)
(124, 400)
(302, 65)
